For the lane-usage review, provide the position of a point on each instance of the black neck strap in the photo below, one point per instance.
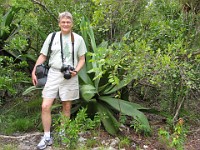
(61, 45)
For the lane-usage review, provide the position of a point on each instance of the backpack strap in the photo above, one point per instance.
(49, 49)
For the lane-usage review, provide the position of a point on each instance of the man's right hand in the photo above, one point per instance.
(41, 59)
(34, 79)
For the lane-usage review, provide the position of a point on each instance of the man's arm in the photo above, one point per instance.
(81, 63)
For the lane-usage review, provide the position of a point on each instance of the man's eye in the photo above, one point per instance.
(65, 22)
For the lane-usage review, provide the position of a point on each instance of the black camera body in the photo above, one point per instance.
(66, 71)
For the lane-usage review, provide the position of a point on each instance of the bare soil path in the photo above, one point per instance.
(28, 141)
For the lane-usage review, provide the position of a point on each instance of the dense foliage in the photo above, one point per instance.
(148, 49)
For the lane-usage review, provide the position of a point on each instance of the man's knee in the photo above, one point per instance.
(66, 104)
(46, 105)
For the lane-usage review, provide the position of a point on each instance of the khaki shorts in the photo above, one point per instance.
(58, 86)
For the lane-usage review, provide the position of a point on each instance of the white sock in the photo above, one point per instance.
(47, 135)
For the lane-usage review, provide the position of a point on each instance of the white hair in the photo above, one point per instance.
(65, 14)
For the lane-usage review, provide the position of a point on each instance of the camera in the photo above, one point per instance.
(66, 71)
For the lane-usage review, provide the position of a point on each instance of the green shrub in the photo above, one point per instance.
(71, 128)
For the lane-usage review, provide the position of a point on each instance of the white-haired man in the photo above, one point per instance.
(57, 84)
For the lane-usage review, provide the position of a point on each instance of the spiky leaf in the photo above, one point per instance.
(84, 76)
(88, 91)
(30, 89)
(109, 121)
(128, 108)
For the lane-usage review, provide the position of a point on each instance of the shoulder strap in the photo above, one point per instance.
(72, 39)
(50, 44)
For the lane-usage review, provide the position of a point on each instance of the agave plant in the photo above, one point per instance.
(8, 29)
(99, 93)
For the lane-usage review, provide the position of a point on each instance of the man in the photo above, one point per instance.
(57, 85)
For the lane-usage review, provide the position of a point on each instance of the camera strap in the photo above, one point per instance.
(61, 44)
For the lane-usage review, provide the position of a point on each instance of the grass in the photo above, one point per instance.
(8, 147)
(91, 143)
(20, 116)
(124, 142)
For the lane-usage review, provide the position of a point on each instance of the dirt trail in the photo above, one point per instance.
(28, 141)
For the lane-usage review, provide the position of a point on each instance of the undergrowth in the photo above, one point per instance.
(20, 116)
(24, 116)
(68, 130)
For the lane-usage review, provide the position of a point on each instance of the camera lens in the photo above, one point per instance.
(67, 75)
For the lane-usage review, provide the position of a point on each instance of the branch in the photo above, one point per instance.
(192, 131)
(196, 53)
(177, 111)
(20, 137)
(45, 8)
(193, 54)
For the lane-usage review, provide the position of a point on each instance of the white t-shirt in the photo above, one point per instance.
(55, 60)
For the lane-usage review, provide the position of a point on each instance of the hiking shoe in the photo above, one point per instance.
(44, 143)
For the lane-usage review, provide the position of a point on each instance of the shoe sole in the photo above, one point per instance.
(41, 148)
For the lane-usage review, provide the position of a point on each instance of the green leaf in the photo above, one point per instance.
(109, 121)
(30, 89)
(86, 28)
(42, 34)
(7, 20)
(31, 57)
(84, 76)
(88, 91)
(113, 89)
(128, 108)
(83, 28)
(101, 88)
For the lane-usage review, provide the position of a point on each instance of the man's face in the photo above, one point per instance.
(65, 25)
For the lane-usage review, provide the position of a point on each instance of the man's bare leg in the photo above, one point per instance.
(66, 108)
(46, 114)
(46, 122)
